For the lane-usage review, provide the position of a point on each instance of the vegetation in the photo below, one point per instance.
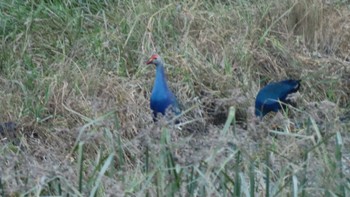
(73, 76)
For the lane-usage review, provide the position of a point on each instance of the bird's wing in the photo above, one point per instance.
(177, 106)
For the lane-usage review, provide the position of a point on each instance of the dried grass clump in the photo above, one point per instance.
(323, 27)
(128, 98)
(326, 78)
(306, 19)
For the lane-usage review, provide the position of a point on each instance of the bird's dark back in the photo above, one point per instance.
(269, 96)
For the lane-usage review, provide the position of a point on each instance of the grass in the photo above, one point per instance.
(72, 75)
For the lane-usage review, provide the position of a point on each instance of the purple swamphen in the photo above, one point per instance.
(274, 96)
(162, 98)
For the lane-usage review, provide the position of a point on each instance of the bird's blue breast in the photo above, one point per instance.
(162, 98)
(161, 101)
(269, 97)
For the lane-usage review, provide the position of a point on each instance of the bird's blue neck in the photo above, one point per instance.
(160, 83)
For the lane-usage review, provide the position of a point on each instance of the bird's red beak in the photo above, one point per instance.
(150, 61)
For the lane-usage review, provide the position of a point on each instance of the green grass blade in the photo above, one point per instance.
(295, 186)
(238, 184)
(103, 170)
(252, 178)
(229, 120)
(80, 165)
(191, 182)
(338, 156)
(267, 175)
(304, 179)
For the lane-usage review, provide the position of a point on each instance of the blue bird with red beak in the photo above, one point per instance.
(162, 98)
(274, 96)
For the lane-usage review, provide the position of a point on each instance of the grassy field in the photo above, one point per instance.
(73, 77)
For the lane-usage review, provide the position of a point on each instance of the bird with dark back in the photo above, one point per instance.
(162, 97)
(274, 96)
